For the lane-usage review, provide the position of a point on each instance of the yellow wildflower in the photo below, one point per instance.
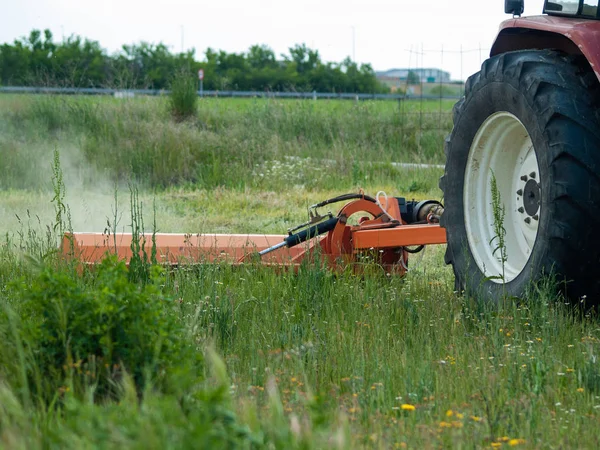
(407, 407)
(580, 389)
(449, 413)
(514, 442)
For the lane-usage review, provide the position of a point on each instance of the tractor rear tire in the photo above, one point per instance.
(529, 125)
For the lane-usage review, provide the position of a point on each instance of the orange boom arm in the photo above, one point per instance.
(385, 230)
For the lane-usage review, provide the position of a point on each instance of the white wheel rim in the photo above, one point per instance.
(502, 147)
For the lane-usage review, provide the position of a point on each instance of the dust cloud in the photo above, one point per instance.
(89, 195)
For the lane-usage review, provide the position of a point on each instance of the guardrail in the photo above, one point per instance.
(127, 93)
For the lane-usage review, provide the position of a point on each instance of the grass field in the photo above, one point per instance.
(248, 357)
(289, 152)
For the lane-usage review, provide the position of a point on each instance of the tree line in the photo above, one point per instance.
(37, 60)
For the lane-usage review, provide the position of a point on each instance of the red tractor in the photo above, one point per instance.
(522, 178)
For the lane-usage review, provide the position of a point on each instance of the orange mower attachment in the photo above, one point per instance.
(384, 233)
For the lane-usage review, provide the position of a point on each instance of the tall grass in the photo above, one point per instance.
(183, 98)
(251, 357)
(228, 144)
(313, 359)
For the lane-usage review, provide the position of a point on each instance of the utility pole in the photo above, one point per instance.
(182, 34)
(353, 43)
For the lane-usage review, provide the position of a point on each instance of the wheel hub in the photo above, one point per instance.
(532, 197)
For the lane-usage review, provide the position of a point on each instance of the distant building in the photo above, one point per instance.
(396, 76)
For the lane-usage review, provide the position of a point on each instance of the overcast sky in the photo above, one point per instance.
(380, 32)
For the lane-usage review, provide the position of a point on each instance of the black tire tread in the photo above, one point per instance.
(566, 97)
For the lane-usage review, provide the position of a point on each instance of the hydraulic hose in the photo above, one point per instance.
(344, 197)
(304, 235)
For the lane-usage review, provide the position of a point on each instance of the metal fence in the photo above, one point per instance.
(127, 93)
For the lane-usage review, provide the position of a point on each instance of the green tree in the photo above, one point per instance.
(81, 63)
(38, 60)
(413, 78)
(261, 57)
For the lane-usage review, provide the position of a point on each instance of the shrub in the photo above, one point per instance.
(184, 97)
(442, 91)
(87, 333)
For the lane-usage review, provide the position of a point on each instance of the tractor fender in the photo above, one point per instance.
(572, 36)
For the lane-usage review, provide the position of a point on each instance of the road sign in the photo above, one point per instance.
(201, 74)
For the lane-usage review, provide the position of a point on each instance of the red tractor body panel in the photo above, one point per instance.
(568, 34)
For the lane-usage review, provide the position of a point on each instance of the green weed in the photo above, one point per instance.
(88, 332)
(183, 98)
(498, 212)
